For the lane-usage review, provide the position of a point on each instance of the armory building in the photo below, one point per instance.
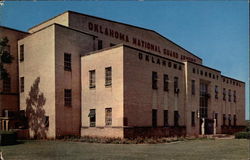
(83, 75)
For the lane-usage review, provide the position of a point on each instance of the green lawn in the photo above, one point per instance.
(193, 149)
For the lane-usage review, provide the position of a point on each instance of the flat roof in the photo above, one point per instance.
(13, 29)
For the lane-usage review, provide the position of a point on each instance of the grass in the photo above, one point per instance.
(234, 149)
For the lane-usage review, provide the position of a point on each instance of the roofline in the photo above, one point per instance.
(14, 29)
(127, 46)
(232, 79)
(205, 66)
(69, 11)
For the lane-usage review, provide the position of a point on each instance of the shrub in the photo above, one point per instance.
(242, 135)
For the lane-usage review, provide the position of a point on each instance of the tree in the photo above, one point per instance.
(5, 57)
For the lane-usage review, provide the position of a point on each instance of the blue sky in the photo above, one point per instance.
(216, 31)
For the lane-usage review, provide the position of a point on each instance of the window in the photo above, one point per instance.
(234, 96)
(235, 119)
(165, 80)
(92, 117)
(67, 62)
(175, 66)
(154, 80)
(46, 121)
(67, 97)
(108, 76)
(154, 117)
(21, 53)
(205, 74)
(176, 89)
(165, 115)
(112, 44)
(201, 72)
(216, 91)
(229, 119)
(92, 79)
(176, 118)
(216, 118)
(99, 44)
(108, 116)
(22, 84)
(169, 64)
(224, 94)
(193, 70)
(193, 118)
(229, 95)
(209, 75)
(180, 67)
(6, 84)
(224, 119)
(193, 87)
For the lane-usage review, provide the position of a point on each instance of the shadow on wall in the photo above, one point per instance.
(35, 111)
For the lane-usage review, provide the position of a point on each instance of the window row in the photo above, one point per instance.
(165, 82)
(165, 118)
(108, 77)
(205, 73)
(231, 82)
(231, 120)
(229, 95)
(92, 117)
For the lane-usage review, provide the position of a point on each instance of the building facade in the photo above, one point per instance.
(88, 76)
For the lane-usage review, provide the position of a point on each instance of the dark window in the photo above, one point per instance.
(125, 121)
(193, 70)
(234, 96)
(193, 118)
(67, 97)
(193, 87)
(165, 79)
(92, 79)
(201, 72)
(108, 116)
(99, 44)
(213, 76)
(179, 67)
(176, 118)
(175, 66)
(229, 119)
(22, 84)
(7, 84)
(169, 64)
(235, 119)
(209, 75)
(92, 117)
(217, 77)
(229, 95)
(46, 121)
(176, 89)
(205, 74)
(112, 44)
(21, 53)
(224, 119)
(216, 91)
(224, 94)
(154, 117)
(67, 62)
(165, 115)
(216, 117)
(154, 80)
(108, 76)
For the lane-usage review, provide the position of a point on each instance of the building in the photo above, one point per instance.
(88, 76)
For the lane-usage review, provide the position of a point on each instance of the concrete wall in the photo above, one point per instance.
(10, 100)
(103, 97)
(68, 118)
(39, 62)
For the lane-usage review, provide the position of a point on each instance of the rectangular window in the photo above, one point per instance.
(216, 118)
(21, 53)
(108, 116)
(154, 117)
(176, 89)
(154, 80)
(165, 115)
(193, 118)
(67, 62)
(92, 79)
(46, 121)
(235, 119)
(229, 95)
(216, 91)
(100, 44)
(67, 97)
(193, 87)
(7, 84)
(108, 76)
(224, 119)
(176, 118)
(92, 117)
(224, 94)
(22, 84)
(165, 85)
(229, 119)
(234, 96)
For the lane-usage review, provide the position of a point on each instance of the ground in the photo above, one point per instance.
(221, 149)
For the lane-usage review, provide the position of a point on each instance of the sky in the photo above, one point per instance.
(216, 31)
